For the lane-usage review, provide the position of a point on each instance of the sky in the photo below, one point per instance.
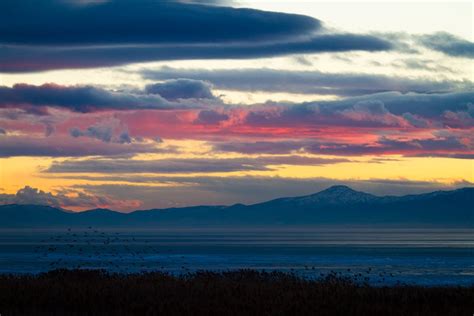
(146, 104)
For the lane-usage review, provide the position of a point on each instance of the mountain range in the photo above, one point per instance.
(337, 205)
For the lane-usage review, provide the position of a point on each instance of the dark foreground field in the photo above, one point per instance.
(244, 292)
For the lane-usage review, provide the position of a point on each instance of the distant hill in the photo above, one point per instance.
(337, 205)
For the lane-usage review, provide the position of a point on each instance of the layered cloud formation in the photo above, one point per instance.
(384, 123)
(378, 111)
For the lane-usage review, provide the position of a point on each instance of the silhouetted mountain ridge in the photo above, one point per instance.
(338, 194)
(337, 205)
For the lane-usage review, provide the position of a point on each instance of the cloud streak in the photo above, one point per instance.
(184, 165)
(83, 98)
(306, 82)
(436, 146)
(14, 146)
(30, 59)
(448, 44)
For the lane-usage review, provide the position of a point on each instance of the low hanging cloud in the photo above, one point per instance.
(65, 199)
(306, 82)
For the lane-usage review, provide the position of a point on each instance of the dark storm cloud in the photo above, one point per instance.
(181, 89)
(54, 35)
(308, 82)
(448, 44)
(54, 22)
(184, 165)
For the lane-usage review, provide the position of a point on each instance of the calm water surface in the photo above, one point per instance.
(383, 256)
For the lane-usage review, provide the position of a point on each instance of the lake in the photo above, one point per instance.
(378, 256)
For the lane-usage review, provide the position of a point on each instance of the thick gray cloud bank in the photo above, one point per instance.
(53, 35)
(307, 82)
(54, 22)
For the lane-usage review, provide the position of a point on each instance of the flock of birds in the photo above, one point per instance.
(121, 252)
(92, 248)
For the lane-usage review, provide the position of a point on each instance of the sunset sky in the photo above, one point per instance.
(151, 104)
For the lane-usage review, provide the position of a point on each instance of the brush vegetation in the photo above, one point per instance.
(241, 292)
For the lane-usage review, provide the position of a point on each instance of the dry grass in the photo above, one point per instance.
(242, 292)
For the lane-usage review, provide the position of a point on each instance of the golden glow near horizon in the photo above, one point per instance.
(20, 171)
